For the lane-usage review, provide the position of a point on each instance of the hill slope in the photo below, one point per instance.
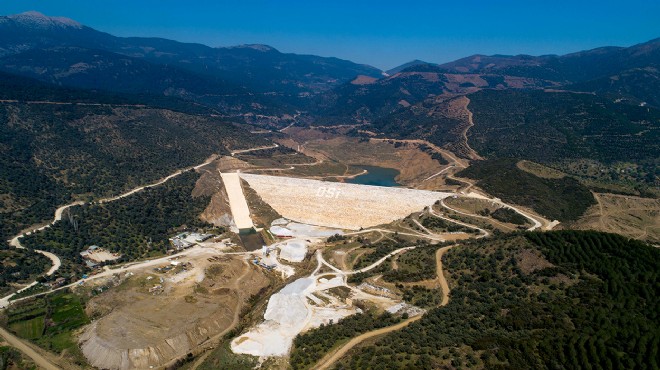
(51, 153)
(541, 300)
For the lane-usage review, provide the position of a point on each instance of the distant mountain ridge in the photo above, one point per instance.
(410, 64)
(259, 69)
(417, 99)
(574, 67)
(39, 20)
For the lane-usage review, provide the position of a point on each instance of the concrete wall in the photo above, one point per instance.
(237, 203)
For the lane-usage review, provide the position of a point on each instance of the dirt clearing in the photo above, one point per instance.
(152, 316)
(631, 216)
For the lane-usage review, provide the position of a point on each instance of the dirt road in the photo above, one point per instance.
(334, 356)
(456, 162)
(26, 349)
(55, 260)
(471, 153)
(441, 276)
(254, 149)
(484, 233)
(159, 182)
(210, 343)
(535, 223)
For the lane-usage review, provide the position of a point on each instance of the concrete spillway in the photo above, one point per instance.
(237, 203)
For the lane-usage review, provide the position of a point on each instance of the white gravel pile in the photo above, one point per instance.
(293, 251)
(285, 317)
(288, 314)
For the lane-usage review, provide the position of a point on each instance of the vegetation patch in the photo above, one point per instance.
(20, 265)
(562, 199)
(414, 265)
(50, 322)
(224, 358)
(377, 251)
(420, 296)
(310, 347)
(11, 358)
(510, 216)
(440, 225)
(601, 313)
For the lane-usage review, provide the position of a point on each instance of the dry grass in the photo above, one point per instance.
(631, 216)
(540, 170)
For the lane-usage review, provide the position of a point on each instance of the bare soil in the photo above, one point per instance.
(137, 328)
(530, 260)
(413, 164)
(631, 216)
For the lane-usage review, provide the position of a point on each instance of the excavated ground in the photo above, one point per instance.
(138, 329)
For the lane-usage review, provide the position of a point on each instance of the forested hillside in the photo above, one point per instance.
(564, 199)
(136, 227)
(538, 300)
(20, 266)
(552, 127)
(51, 154)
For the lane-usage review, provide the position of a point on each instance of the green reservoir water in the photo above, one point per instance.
(378, 176)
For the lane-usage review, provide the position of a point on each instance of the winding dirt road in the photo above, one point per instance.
(331, 358)
(535, 223)
(56, 262)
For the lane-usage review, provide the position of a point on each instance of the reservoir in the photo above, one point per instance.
(378, 176)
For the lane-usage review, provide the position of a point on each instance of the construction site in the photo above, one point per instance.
(339, 205)
(161, 311)
(149, 314)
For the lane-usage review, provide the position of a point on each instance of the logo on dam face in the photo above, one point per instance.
(328, 192)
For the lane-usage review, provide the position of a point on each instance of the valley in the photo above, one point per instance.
(172, 205)
(97, 341)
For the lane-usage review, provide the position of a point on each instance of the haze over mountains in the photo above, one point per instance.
(62, 51)
(522, 97)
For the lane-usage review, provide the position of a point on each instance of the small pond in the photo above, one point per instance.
(378, 176)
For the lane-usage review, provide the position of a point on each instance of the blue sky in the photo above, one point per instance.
(381, 33)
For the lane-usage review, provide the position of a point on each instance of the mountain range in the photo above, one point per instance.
(592, 105)
(62, 51)
(260, 78)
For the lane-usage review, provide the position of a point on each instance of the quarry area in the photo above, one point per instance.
(339, 205)
(150, 315)
(310, 302)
